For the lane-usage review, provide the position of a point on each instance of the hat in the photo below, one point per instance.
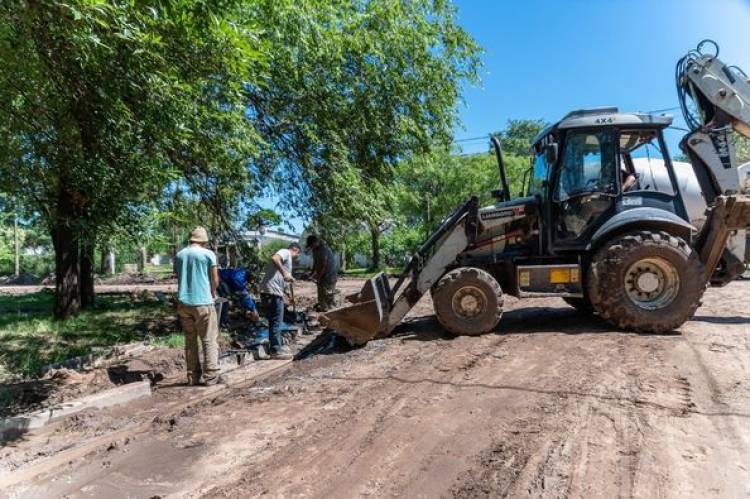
(199, 235)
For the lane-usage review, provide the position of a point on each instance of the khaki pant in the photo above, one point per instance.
(326, 295)
(200, 322)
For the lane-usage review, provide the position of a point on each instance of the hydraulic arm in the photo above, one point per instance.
(378, 308)
(715, 100)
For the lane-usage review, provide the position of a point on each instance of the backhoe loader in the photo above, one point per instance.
(607, 221)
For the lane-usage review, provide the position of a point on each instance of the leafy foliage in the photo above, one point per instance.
(742, 148)
(517, 136)
(354, 88)
(263, 217)
(105, 103)
(126, 122)
(428, 188)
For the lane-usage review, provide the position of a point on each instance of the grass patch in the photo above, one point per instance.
(367, 273)
(30, 339)
(158, 271)
(175, 340)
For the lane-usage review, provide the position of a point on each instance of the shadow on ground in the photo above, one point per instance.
(530, 320)
(732, 319)
(31, 339)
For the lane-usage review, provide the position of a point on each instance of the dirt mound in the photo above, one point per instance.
(57, 386)
(64, 384)
(154, 365)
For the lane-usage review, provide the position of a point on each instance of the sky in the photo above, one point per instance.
(543, 58)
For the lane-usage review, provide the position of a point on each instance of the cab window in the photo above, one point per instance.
(642, 159)
(588, 165)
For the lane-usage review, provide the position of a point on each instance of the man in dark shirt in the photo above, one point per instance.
(325, 272)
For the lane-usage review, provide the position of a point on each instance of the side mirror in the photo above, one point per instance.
(550, 154)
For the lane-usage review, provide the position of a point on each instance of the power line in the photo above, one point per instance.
(663, 110)
(471, 139)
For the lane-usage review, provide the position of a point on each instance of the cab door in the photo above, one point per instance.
(585, 187)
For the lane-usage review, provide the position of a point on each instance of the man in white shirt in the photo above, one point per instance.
(278, 273)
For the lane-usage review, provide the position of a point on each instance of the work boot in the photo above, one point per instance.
(194, 379)
(284, 353)
(212, 379)
(260, 353)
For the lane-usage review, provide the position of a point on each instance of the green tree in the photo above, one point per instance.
(354, 88)
(742, 148)
(517, 135)
(104, 103)
(263, 217)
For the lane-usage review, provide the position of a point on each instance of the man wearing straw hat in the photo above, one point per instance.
(197, 280)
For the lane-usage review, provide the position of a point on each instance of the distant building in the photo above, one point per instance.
(263, 237)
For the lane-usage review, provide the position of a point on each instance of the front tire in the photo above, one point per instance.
(646, 281)
(468, 301)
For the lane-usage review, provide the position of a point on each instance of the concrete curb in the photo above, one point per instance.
(204, 393)
(16, 425)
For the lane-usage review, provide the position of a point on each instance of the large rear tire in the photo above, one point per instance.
(468, 301)
(646, 281)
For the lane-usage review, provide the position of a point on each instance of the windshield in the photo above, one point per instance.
(588, 166)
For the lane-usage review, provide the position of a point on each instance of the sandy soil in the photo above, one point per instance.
(555, 404)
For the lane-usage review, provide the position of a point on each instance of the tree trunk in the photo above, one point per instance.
(17, 246)
(88, 297)
(175, 242)
(111, 264)
(142, 260)
(375, 240)
(67, 284)
(103, 260)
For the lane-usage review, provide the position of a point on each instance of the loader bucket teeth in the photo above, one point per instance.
(366, 317)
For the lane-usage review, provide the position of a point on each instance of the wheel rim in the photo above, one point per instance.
(469, 302)
(652, 283)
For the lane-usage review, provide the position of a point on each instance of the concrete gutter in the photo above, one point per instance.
(14, 426)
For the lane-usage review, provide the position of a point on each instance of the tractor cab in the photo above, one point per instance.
(597, 170)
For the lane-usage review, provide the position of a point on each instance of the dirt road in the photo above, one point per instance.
(555, 404)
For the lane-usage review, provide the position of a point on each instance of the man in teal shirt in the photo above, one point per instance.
(197, 280)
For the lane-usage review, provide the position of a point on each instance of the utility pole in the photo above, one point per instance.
(17, 244)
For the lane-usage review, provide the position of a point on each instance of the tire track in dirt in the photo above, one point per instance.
(394, 403)
(351, 423)
(592, 442)
(559, 405)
